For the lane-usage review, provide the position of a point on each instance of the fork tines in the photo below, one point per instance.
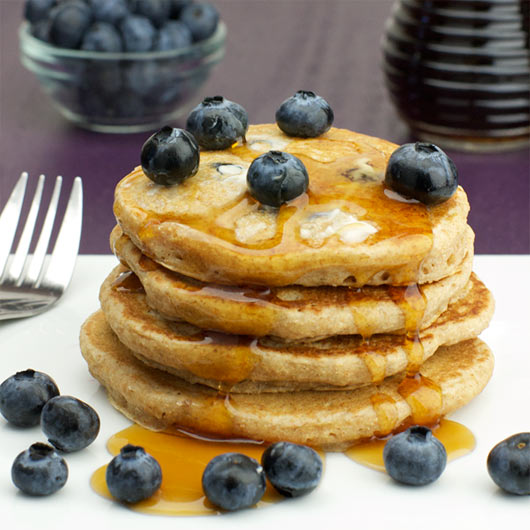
(36, 270)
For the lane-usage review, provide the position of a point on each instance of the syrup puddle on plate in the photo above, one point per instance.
(182, 459)
(457, 439)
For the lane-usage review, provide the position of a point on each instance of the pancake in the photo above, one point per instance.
(292, 312)
(330, 420)
(249, 364)
(346, 230)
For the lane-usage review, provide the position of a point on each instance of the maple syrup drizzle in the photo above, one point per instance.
(344, 178)
(249, 295)
(146, 264)
(182, 458)
(128, 282)
(412, 302)
(386, 412)
(245, 294)
(230, 364)
(457, 439)
(214, 414)
(364, 327)
(376, 364)
(423, 395)
(424, 398)
(254, 299)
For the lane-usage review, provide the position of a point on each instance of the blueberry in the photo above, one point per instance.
(294, 470)
(35, 10)
(305, 115)
(176, 7)
(217, 123)
(157, 11)
(169, 84)
(202, 19)
(233, 481)
(276, 177)
(168, 93)
(414, 456)
(110, 11)
(69, 424)
(170, 156)
(133, 475)
(23, 395)
(103, 77)
(141, 77)
(92, 103)
(509, 464)
(69, 21)
(422, 171)
(102, 37)
(126, 104)
(41, 30)
(138, 33)
(39, 470)
(172, 35)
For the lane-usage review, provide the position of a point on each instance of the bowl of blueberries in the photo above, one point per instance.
(121, 66)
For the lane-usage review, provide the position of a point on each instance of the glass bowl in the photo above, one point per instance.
(122, 92)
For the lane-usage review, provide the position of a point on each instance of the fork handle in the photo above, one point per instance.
(17, 306)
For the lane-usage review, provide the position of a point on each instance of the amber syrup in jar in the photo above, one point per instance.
(458, 71)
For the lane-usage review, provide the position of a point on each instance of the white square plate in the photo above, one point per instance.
(349, 495)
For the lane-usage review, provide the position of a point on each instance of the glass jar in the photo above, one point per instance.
(458, 71)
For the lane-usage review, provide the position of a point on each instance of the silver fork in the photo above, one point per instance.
(31, 283)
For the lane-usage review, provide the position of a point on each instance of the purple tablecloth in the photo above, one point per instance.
(274, 48)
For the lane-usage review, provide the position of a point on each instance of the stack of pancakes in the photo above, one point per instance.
(347, 313)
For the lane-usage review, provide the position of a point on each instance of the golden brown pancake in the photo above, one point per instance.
(292, 312)
(249, 364)
(330, 420)
(348, 229)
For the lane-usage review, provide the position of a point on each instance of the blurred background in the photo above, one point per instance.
(273, 49)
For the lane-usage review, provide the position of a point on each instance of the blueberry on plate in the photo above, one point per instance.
(275, 178)
(35, 10)
(422, 171)
(305, 115)
(509, 464)
(217, 123)
(133, 475)
(294, 470)
(233, 481)
(39, 470)
(69, 423)
(170, 156)
(414, 456)
(110, 11)
(23, 395)
(172, 35)
(102, 37)
(202, 19)
(69, 21)
(138, 33)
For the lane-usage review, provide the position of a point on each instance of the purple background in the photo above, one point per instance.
(274, 48)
